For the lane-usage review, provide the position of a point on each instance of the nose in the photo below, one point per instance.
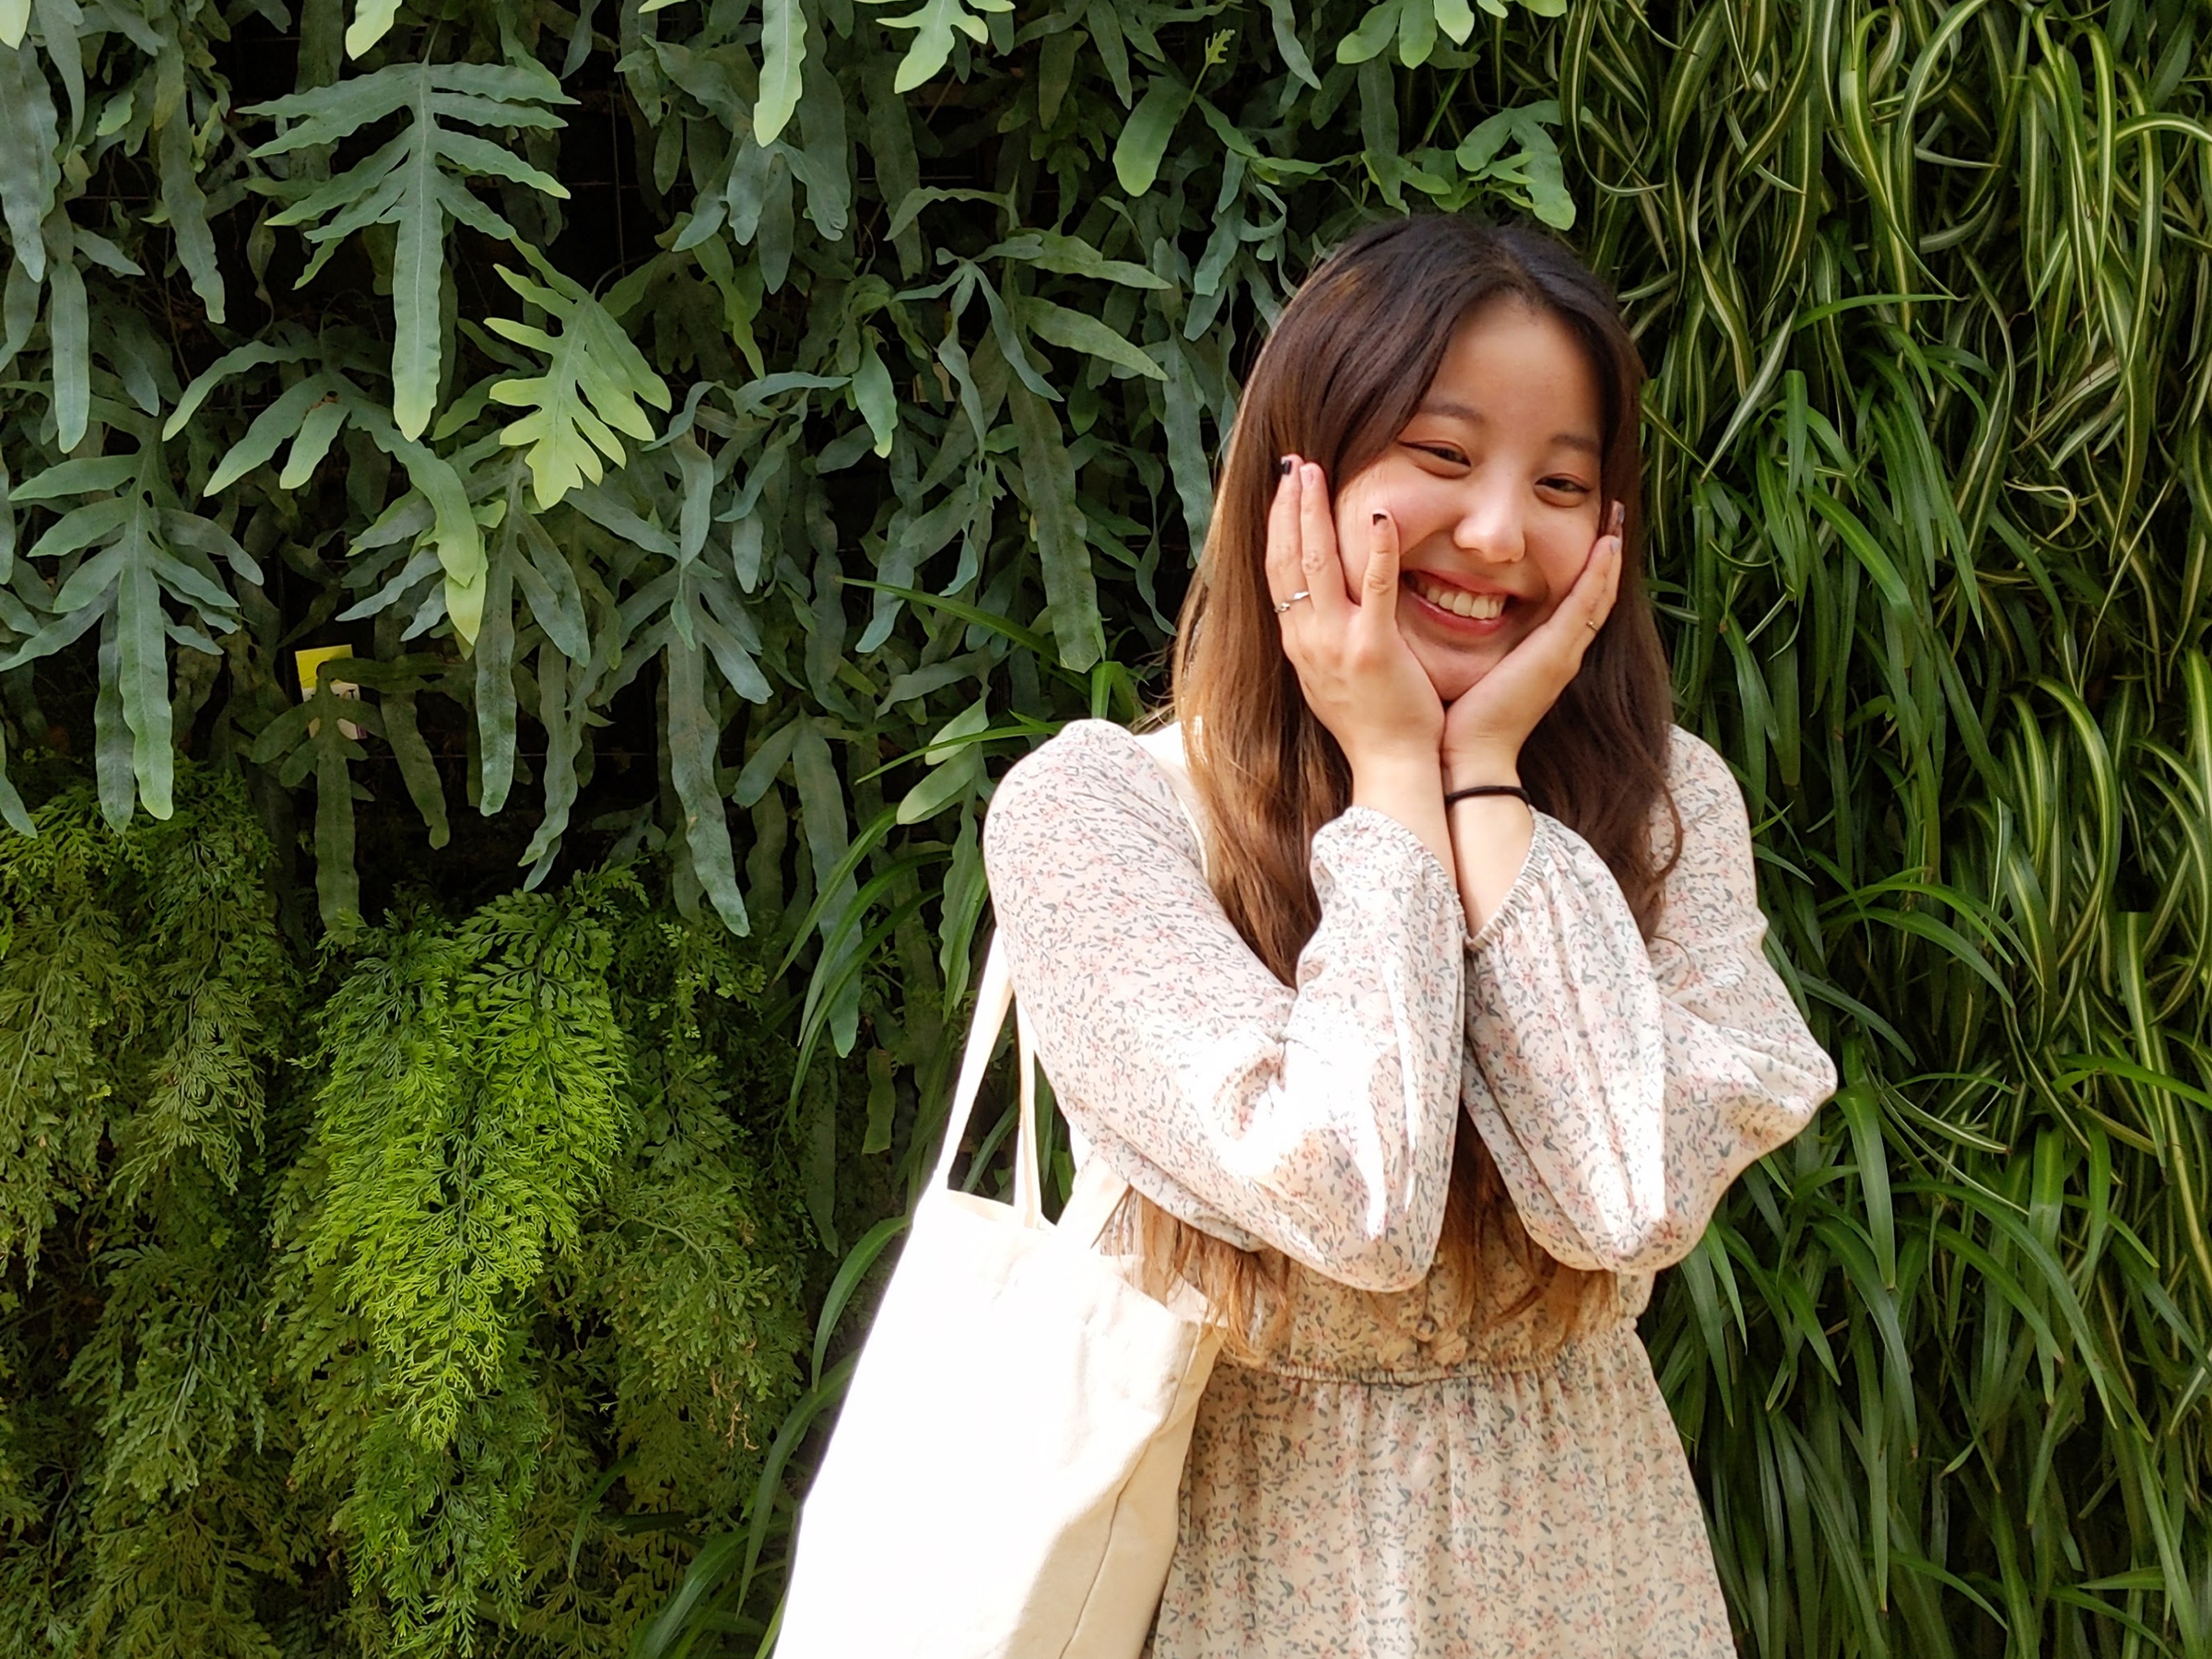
(1490, 524)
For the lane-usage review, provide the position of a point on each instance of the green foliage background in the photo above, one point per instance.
(445, 1125)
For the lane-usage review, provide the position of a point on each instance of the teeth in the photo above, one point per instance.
(1478, 607)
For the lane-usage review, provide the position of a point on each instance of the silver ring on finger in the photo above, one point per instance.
(1283, 604)
(1590, 625)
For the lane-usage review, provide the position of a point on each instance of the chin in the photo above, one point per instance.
(1455, 679)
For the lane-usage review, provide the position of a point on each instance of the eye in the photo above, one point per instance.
(1450, 455)
(1564, 486)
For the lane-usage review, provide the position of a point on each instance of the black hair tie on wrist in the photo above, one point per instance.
(1468, 793)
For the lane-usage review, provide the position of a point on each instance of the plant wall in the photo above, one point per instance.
(457, 1084)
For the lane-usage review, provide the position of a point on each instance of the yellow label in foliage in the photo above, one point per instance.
(309, 663)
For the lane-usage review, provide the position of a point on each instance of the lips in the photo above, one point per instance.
(1458, 601)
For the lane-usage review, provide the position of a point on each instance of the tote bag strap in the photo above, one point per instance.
(994, 998)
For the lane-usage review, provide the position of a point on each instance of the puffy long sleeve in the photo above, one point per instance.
(1620, 1087)
(1316, 1119)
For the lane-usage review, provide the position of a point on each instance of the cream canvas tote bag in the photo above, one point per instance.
(1003, 1480)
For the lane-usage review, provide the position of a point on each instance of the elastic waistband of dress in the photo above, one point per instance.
(1601, 1341)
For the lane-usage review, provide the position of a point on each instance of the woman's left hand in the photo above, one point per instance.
(1485, 728)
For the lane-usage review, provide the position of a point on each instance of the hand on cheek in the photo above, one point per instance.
(1335, 576)
(1354, 513)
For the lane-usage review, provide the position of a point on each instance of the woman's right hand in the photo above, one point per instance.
(1359, 677)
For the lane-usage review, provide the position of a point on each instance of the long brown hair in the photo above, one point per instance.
(1338, 379)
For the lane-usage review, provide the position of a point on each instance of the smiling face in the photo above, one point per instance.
(1494, 487)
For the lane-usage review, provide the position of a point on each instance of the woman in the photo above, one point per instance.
(1441, 1022)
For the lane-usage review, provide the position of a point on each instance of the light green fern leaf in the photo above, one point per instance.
(372, 20)
(591, 390)
(934, 25)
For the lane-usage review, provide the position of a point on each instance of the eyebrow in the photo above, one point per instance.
(1451, 410)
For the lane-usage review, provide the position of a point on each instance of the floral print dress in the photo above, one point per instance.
(1409, 1464)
